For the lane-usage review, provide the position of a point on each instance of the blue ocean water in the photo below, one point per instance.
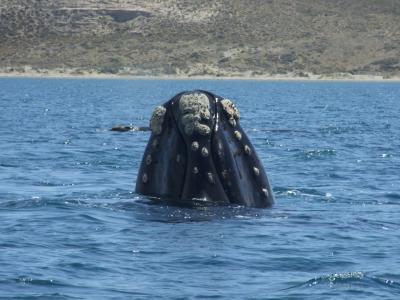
(71, 226)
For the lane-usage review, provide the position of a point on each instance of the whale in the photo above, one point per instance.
(123, 128)
(199, 153)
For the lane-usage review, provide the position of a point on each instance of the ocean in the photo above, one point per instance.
(72, 227)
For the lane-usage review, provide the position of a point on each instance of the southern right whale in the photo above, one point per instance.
(198, 151)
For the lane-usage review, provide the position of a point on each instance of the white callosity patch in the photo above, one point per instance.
(231, 110)
(195, 146)
(157, 119)
(247, 149)
(210, 177)
(194, 108)
(265, 192)
(204, 152)
(238, 135)
(256, 171)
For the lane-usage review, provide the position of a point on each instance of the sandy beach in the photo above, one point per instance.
(245, 76)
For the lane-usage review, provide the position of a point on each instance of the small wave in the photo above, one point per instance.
(336, 176)
(282, 130)
(301, 192)
(45, 296)
(377, 224)
(142, 207)
(78, 266)
(386, 282)
(394, 196)
(316, 153)
(340, 129)
(102, 199)
(40, 283)
(348, 278)
(38, 202)
(333, 196)
(164, 212)
(337, 278)
(33, 202)
(8, 165)
(33, 281)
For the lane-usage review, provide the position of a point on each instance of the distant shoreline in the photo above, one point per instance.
(280, 77)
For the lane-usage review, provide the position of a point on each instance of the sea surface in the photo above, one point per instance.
(71, 226)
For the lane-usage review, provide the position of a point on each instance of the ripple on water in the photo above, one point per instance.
(359, 282)
(304, 193)
(148, 210)
(33, 281)
(316, 154)
(393, 196)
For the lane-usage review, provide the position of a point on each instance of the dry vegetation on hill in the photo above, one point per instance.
(202, 37)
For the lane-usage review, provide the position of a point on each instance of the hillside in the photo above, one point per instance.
(201, 37)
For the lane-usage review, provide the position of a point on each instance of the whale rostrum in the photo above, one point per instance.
(198, 151)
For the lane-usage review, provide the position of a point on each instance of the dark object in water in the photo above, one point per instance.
(199, 152)
(129, 128)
